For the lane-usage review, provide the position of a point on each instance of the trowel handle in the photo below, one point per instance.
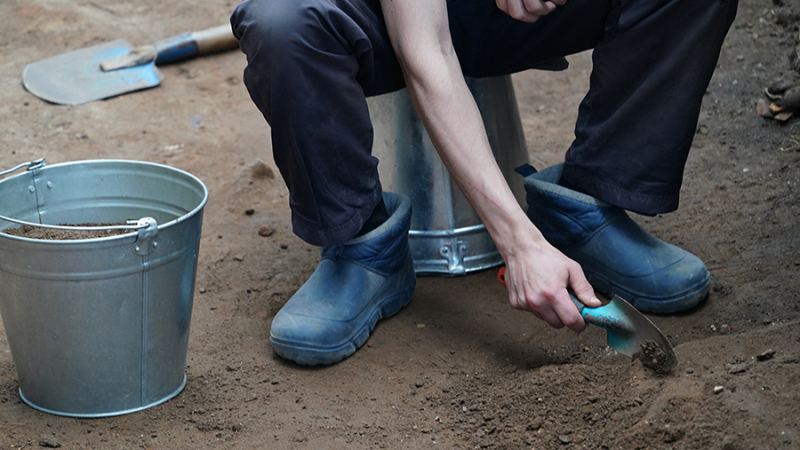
(195, 43)
(578, 303)
(501, 277)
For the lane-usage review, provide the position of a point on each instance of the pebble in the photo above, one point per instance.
(725, 329)
(202, 290)
(261, 170)
(265, 231)
(564, 439)
(49, 441)
(718, 389)
(737, 368)
(766, 355)
(250, 212)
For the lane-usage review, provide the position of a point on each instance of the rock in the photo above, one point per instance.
(762, 108)
(564, 439)
(718, 389)
(725, 329)
(791, 99)
(48, 441)
(781, 85)
(260, 169)
(250, 212)
(783, 116)
(766, 355)
(737, 368)
(265, 231)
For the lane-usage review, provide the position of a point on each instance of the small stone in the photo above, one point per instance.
(48, 441)
(766, 355)
(202, 290)
(690, 370)
(238, 257)
(737, 368)
(718, 389)
(419, 384)
(265, 231)
(725, 329)
(284, 246)
(250, 212)
(261, 170)
(564, 439)
(762, 108)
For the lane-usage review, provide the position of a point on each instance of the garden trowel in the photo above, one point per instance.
(114, 68)
(628, 331)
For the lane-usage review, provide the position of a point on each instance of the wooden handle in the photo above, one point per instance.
(215, 39)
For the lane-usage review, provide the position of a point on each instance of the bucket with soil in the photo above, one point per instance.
(97, 271)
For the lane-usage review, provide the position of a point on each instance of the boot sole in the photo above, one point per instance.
(312, 356)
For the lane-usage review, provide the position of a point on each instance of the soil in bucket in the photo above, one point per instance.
(30, 232)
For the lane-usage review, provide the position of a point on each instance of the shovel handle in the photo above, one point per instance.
(195, 43)
(501, 277)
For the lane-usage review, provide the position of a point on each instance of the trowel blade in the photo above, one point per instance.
(631, 333)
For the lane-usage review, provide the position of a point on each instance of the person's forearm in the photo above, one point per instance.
(454, 123)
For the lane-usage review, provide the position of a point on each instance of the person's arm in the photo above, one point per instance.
(537, 275)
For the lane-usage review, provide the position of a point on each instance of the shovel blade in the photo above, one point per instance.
(75, 77)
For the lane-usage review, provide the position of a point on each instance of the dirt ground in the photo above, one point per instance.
(457, 368)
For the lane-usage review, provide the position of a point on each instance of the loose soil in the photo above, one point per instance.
(457, 368)
(54, 234)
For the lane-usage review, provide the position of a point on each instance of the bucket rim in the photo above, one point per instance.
(133, 233)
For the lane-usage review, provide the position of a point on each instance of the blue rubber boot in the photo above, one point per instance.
(617, 255)
(355, 285)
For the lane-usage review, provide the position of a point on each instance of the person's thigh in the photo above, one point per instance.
(490, 43)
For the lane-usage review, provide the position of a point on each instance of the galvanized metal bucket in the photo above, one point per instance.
(447, 237)
(100, 327)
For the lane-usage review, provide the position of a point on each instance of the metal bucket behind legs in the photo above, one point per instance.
(447, 237)
(100, 327)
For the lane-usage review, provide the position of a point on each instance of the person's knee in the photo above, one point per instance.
(276, 22)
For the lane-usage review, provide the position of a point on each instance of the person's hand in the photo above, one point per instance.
(528, 10)
(537, 279)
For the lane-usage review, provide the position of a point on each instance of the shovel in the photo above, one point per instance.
(628, 331)
(115, 68)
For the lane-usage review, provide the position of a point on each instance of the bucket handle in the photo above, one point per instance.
(31, 165)
(141, 224)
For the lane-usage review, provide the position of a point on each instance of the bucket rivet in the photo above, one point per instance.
(50, 184)
(31, 188)
(137, 248)
(155, 244)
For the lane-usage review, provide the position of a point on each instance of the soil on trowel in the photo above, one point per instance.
(655, 358)
(51, 234)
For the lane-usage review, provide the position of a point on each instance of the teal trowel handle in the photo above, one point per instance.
(195, 43)
(606, 316)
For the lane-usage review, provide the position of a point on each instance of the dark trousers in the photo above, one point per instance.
(312, 63)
